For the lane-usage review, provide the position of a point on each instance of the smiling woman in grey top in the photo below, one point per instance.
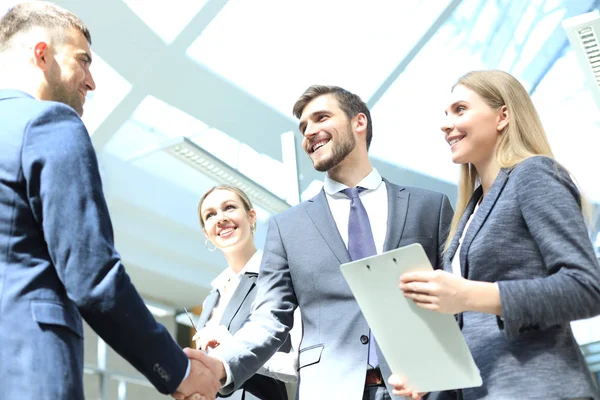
(525, 266)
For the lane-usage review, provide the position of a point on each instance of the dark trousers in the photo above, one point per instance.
(376, 393)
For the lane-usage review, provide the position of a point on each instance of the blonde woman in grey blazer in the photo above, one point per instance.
(519, 264)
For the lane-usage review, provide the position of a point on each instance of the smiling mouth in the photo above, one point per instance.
(227, 232)
(455, 140)
(318, 145)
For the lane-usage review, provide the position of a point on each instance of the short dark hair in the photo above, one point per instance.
(349, 102)
(25, 16)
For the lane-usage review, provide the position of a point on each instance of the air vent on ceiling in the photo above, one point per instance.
(583, 32)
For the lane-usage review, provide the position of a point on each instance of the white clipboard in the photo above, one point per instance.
(424, 348)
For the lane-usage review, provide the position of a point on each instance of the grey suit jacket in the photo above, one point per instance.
(529, 236)
(300, 267)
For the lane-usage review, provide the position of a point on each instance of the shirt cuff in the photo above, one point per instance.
(187, 372)
(228, 375)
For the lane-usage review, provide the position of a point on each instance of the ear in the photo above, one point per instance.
(359, 123)
(252, 215)
(41, 55)
(503, 118)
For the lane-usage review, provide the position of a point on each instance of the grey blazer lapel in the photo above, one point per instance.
(397, 209)
(480, 217)
(209, 305)
(320, 214)
(247, 282)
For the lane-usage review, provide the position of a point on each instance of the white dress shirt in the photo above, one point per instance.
(456, 260)
(374, 199)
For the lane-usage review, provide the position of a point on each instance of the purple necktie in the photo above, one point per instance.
(360, 245)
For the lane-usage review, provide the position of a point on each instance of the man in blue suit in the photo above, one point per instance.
(57, 259)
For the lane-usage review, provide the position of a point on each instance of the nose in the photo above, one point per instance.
(447, 127)
(221, 218)
(89, 81)
(310, 130)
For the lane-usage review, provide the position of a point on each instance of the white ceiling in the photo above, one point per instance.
(227, 73)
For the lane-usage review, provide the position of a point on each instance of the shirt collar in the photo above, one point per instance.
(369, 182)
(252, 266)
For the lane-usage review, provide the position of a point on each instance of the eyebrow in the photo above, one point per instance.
(302, 124)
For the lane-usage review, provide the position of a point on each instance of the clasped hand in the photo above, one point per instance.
(204, 379)
(206, 338)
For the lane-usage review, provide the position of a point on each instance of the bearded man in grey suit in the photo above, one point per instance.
(307, 243)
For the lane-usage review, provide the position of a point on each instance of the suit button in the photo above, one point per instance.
(364, 339)
(524, 328)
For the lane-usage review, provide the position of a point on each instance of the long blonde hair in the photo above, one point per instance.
(523, 136)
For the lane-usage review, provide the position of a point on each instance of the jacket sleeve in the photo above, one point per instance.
(65, 195)
(549, 203)
(271, 319)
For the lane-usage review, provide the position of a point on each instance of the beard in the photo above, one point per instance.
(61, 93)
(339, 151)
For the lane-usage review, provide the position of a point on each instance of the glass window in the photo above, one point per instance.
(166, 20)
(276, 49)
(111, 89)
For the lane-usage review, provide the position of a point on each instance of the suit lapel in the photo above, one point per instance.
(320, 214)
(480, 217)
(247, 282)
(209, 305)
(397, 209)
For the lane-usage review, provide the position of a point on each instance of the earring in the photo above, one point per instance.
(253, 227)
(206, 244)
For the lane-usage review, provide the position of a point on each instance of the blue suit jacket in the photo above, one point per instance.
(58, 263)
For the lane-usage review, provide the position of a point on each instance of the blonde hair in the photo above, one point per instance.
(523, 136)
(242, 195)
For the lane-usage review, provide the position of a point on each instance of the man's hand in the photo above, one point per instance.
(211, 337)
(202, 382)
(216, 366)
(401, 390)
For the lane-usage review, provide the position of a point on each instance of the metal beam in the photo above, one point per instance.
(554, 47)
(441, 19)
(165, 71)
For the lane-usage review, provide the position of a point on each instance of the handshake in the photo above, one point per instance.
(204, 379)
(206, 372)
